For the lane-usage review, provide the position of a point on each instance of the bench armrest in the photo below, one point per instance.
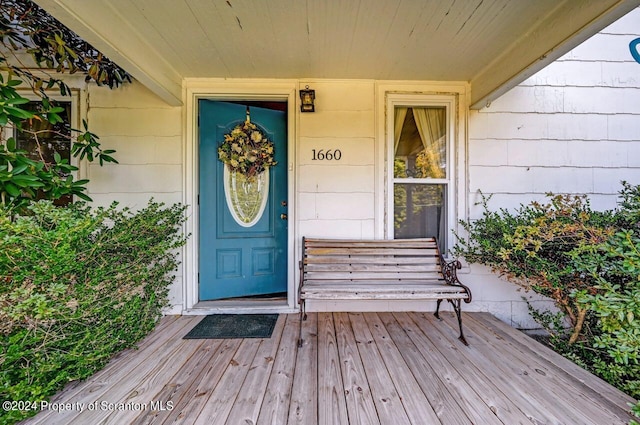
(449, 272)
(301, 281)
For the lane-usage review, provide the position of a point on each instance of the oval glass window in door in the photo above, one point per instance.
(246, 196)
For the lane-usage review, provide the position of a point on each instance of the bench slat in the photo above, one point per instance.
(372, 276)
(356, 268)
(372, 251)
(371, 260)
(429, 242)
(346, 286)
(346, 291)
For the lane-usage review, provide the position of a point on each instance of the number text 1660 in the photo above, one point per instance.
(326, 155)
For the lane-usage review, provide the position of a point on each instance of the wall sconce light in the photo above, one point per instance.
(307, 97)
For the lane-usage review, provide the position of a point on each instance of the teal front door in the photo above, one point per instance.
(241, 256)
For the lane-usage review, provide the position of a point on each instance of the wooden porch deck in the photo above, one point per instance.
(354, 368)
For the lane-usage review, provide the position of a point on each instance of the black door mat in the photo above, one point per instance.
(225, 326)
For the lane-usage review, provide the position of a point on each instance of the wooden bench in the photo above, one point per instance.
(398, 269)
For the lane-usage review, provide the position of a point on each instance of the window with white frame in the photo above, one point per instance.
(421, 179)
(43, 140)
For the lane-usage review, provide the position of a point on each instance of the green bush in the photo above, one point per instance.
(77, 286)
(615, 267)
(588, 262)
(535, 247)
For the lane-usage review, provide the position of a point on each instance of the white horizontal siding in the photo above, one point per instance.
(141, 150)
(604, 47)
(574, 127)
(147, 137)
(336, 198)
(627, 25)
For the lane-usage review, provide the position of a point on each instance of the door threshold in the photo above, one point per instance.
(241, 306)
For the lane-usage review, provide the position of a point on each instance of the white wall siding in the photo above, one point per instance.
(147, 137)
(336, 197)
(574, 128)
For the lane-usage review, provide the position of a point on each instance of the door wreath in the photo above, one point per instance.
(247, 150)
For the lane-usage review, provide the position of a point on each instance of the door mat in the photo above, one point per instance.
(226, 326)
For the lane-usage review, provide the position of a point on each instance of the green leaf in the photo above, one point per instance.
(19, 168)
(18, 113)
(12, 189)
(17, 101)
(83, 196)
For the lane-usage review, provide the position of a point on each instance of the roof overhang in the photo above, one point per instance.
(494, 45)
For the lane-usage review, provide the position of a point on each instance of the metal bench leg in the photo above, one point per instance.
(303, 316)
(437, 313)
(457, 308)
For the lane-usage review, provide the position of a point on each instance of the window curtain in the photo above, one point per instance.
(431, 126)
(400, 115)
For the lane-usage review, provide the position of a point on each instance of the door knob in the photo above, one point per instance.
(283, 216)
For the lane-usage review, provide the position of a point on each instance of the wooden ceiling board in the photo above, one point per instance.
(493, 44)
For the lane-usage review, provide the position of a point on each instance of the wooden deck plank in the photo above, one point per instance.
(197, 396)
(303, 408)
(330, 384)
(579, 375)
(220, 401)
(247, 405)
(504, 395)
(385, 396)
(172, 393)
(538, 405)
(554, 384)
(441, 400)
(163, 325)
(360, 406)
(416, 404)
(449, 372)
(592, 404)
(275, 405)
(95, 388)
(411, 360)
(142, 392)
(150, 342)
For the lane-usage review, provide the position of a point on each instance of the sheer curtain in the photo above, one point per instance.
(431, 123)
(400, 115)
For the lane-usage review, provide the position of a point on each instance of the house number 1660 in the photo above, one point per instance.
(326, 155)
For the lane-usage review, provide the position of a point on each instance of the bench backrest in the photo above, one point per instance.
(371, 260)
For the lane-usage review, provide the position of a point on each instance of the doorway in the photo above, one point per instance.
(243, 226)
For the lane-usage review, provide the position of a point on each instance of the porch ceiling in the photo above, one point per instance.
(493, 44)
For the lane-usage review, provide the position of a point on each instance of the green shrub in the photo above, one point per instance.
(588, 262)
(535, 247)
(615, 267)
(77, 286)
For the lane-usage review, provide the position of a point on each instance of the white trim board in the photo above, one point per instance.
(456, 96)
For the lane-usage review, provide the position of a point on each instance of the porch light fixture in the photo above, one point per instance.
(307, 97)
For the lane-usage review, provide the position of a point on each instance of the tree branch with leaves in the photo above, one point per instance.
(27, 28)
